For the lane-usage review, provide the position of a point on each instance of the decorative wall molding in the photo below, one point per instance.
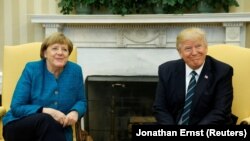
(52, 27)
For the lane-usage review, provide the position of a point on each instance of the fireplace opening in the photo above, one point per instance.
(117, 102)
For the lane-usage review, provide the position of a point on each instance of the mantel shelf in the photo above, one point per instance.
(146, 18)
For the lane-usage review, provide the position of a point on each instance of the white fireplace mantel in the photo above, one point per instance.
(231, 25)
(146, 18)
(137, 44)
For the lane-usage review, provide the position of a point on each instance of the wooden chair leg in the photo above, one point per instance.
(81, 135)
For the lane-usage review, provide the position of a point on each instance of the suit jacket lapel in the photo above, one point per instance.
(180, 82)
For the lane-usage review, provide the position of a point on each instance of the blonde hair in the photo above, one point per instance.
(192, 33)
(56, 37)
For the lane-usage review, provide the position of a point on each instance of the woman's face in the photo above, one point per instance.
(57, 55)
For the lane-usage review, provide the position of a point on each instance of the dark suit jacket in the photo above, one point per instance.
(213, 95)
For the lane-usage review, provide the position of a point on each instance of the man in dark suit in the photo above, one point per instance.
(211, 95)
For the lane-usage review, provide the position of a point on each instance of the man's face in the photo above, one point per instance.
(193, 52)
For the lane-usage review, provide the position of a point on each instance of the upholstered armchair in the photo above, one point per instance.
(238, 58)
(15, 58)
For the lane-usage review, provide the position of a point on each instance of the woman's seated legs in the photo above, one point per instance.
(36, 127)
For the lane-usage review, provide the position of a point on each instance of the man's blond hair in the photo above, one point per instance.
(192, 33)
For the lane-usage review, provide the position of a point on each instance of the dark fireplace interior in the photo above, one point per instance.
(114, 102)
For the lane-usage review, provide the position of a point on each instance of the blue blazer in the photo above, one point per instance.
(37, 88)
(213, 95)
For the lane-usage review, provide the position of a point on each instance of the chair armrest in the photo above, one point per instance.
(245, 121)
(2, 111)
(81, 135)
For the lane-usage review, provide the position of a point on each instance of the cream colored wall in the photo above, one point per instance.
(244, 7)
(15, 25)
(247, 9)
(16, 28)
